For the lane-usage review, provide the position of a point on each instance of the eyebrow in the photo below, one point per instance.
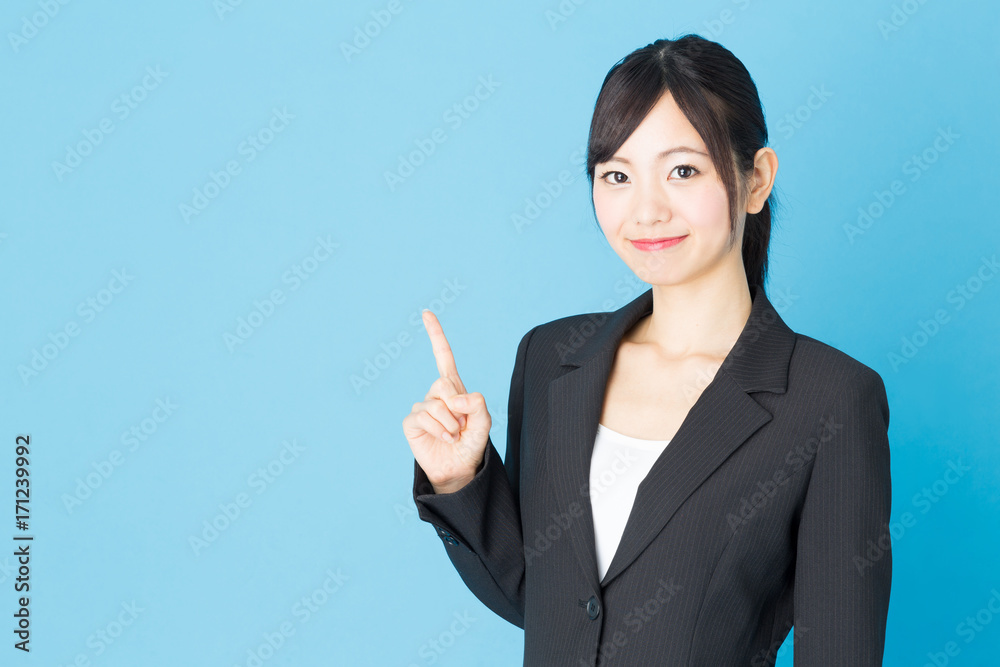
(662, 154)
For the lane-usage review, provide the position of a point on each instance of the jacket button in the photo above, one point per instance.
(593, 607)
(446, 536)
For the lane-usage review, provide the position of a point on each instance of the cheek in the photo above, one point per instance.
(609, 213)
(707, 210)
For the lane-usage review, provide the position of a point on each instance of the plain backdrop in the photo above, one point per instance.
(222, 219)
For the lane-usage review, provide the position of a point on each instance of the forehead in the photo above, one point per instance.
(663, 128)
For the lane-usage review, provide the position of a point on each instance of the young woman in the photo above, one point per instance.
(685, 478)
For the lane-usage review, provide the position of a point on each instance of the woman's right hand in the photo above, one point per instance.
(447, 431)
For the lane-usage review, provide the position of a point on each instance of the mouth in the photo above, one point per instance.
(651, 245)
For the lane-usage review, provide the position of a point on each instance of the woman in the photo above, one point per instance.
(685, 477)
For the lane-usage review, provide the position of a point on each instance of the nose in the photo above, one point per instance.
(651, 203)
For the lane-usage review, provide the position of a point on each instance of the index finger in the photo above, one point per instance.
(442, 350)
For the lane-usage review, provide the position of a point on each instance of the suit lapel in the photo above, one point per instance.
(721, 420)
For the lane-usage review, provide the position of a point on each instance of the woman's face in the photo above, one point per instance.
(661, 184)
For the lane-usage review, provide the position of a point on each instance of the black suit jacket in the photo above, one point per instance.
(768, 508)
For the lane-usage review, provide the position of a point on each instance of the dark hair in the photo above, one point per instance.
(719, 98)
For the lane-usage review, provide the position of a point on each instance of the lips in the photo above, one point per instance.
(650, 245)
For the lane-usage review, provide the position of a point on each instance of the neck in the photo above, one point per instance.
(699, 318)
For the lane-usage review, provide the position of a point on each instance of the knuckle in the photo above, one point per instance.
(442, 412)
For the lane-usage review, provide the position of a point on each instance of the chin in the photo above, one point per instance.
(657, 276)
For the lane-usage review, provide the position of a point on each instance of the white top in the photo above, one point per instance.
(618, 464)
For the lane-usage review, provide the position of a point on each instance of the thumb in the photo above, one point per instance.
(466, 407)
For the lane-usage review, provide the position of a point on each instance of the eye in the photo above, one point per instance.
(688, 168)
(687, 173)
(616, 181)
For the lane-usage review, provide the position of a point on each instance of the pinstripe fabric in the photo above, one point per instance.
(769, 508)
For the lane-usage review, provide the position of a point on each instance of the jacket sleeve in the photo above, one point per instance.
(480, 524)
(843, 568)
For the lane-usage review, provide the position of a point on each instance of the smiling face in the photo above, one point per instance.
(661, 184)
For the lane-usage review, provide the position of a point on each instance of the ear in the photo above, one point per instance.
(765, 168)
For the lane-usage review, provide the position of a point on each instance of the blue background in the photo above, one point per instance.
(315, 383)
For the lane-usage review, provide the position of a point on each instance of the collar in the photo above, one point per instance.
(758, 360)
(720, 421)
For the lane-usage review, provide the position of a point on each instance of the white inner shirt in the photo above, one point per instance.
(619, 463)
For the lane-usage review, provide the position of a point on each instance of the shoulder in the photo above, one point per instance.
(814, 357)
(817, 369)
(569, 331)
(544, 347)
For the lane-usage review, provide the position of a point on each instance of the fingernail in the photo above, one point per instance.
(460, 401)
(447, 437)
